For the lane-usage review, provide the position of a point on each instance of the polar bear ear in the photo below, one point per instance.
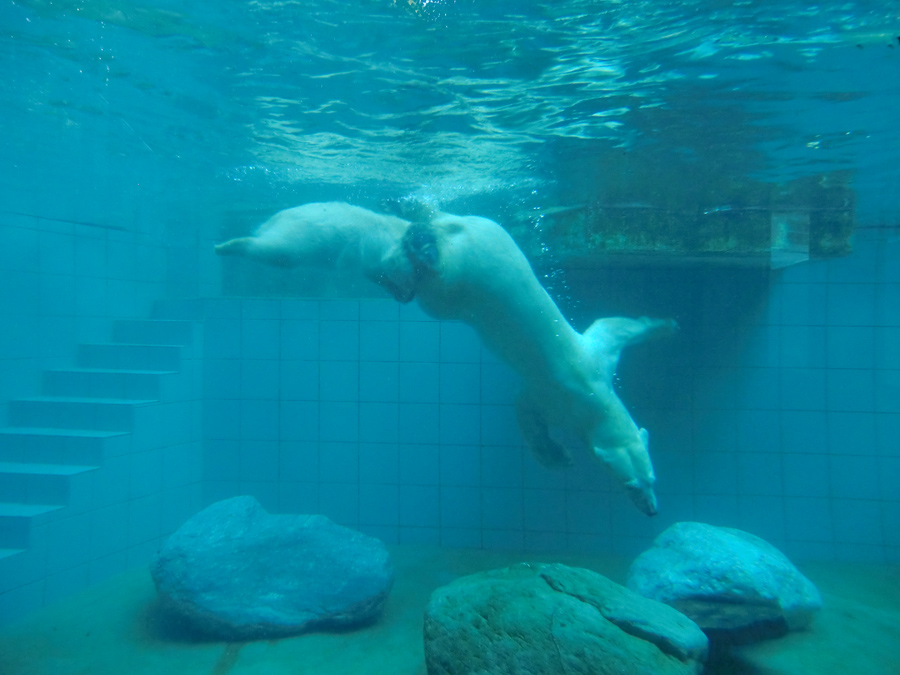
(645, 437)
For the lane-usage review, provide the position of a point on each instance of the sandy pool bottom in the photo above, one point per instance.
(116, 629)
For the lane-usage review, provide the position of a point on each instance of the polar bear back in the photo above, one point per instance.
(327, 234)
(484, 279)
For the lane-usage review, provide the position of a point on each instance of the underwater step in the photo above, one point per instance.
(118, 356)
(104, 383)
(78, 447)
(75, 413)
(9, 552)
(30, 483)
(16, 519)
(154, 332)
(183, 309)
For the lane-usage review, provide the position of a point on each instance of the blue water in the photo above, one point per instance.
(454, 99)
(135, 135)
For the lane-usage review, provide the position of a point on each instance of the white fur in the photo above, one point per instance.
(483, 279)
(332, 235)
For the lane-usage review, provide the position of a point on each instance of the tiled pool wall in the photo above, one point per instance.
(776, 410)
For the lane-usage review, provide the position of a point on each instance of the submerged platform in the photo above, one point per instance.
(751, 225)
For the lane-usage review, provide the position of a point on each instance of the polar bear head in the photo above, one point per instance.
(630, 464)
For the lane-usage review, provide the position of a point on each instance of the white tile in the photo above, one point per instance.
(260, 338)
(419, 506)
(418, 464)
(146, 473)
(760, 473)
(221, 460)
(541, 541)
(64, 584)
(588, 512)
(378, 422)
(298, 497)
(459, 537)
(499, 384)
(502, 508)
(339, 421)
(419, 423)
(499, 425)
(339, 381)
(420, 535)
(419, 341)
(109, 530)
(460, 507)
(851, 433)
(460, 424)
(105, 567)
(460, 383)
(376, 309)
(259, 460)
(763, 516)
(338, 462)
(20, 601)
(345, 310)
(418, 382)
(340, 502)
(143, 519)
(299, 340)
(460, 465)
(339, 341)
(299, 421)
(265, 492)
(808, 519)
(379, 341)
(857, 521)
(717, 509)
(459, 343)
(378, 463)
(854, 476)
(501, 466)
(379, 505)
(503, 540)
(379, 381)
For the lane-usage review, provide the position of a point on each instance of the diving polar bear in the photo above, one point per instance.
(469, 269)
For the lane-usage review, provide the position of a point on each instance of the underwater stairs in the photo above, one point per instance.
(85, 416)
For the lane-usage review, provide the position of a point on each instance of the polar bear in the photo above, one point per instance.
(469, 269)
(333, 235)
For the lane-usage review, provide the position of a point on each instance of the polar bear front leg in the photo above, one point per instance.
(536, 435)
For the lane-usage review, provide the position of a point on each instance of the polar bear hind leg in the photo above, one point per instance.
(606, 338)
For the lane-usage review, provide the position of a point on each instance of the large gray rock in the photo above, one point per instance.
(737, 587)
(236, 572)
(543, 619)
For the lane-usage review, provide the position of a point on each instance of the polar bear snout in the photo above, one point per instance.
(643, 497)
